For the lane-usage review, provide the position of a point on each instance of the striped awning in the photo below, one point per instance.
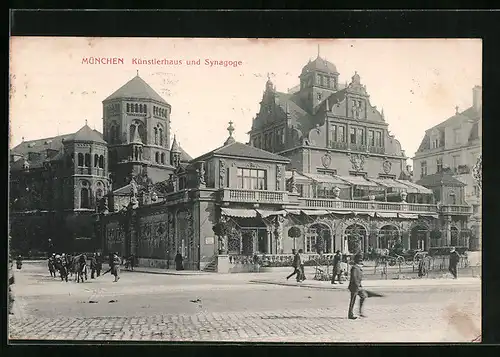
(390, 183)
(239, 212)
(299, 178)
(387, 214)
(266, 213)
(371, 214)
(328, 179)
(293, 211)
(414, 188)
(408, 215)
(358, 181)
(314, 212)
(341, 212)
(429, 215)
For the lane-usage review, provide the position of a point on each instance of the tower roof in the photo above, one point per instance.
(319, 64)
(87, 134)
(136, 88)
(175, 146)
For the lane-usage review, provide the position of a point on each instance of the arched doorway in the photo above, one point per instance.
(388, 237)
(454, 236)
(319, 239)
(418, 237)
(356, 238)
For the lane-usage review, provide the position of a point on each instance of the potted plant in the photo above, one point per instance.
(294, 232)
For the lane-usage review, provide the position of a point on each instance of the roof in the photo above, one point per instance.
(439, 179)
(185, 157)
(136, 88)
(320, 64)
(87, 134)
(40, 145)
(237, 149)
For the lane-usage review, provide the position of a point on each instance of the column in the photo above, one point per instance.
(427, 240)
(447, 226)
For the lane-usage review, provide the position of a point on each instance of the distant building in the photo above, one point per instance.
(453, 147)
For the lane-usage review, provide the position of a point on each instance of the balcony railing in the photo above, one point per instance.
(456, 209)
(253, 196)
(366, 205)
(376, 149)
(338, 145)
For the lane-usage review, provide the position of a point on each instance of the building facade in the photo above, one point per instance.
(454, 147)
(321, 173)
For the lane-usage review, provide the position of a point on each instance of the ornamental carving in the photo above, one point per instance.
(326, 160)
(279, 175)
(201, 173)
(387, 166)
(346, 222)
(280, 221)
(251, 165)
(477, 172)
(357, 161)
(222, 173)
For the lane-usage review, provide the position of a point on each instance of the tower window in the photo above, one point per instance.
(160, 131)
(84, 198)
(87, 160)
(80, 159)
(163, 158)
(145, 108)
(136, 108)
(156, 136)
(128, 107)
(96, 160)
(101, 162)
(157, 157)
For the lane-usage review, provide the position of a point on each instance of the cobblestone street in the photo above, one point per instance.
(232, 308)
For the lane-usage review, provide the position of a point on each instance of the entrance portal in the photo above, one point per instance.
(454, 237)
(417, 238)
(388, 237)
(356, 238)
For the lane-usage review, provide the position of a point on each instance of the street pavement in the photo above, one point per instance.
(239, 307)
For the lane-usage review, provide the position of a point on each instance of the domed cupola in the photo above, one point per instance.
(320, 65)
(319, 73)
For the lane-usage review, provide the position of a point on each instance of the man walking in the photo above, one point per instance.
(98, 264)
(337, 271)
(115, 267)
(355, 287)
(454, 259)
(93, 266)
(295, 265)
(302, 260)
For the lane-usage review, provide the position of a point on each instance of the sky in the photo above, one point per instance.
(418, 82)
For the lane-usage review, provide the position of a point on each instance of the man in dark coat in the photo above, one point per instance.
(115, 266)
(337, 259)
(355, 287)
(98, 264)
(178, 261)
(295, 265)
(93, 266)
(454, 260)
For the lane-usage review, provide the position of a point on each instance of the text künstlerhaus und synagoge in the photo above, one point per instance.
(320, 158)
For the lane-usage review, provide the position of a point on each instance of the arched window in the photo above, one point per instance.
(163, 158)
(140, 108)
(80, 159)
(87, 160)
(99, 194)
(128, 107)
(157, 157)
(160, 130)
(156, 136)
(84, 198)
(136, 108)
(145, 108)
(101, 162)
(132, 108)
(96, 160)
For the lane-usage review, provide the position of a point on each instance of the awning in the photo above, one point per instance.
(387, 214)
(329, 179)
(414, 188)
(314, 212)
(239, 212)
(358, 181)
(429, 215)
(266, 213)
(390, 183)
(408, 215)
(371, 214)
(293, 211)
(299, 178)
(341, 212)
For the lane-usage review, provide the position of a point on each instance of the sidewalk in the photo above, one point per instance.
(150, 270)
(384, 284)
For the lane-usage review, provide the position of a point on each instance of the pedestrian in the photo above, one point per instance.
(454, 259)
(422, 268)
(63, 268)
(355, 287)
(295, 265)
(337, 271)
(302, 260)
(19, 262)
(115, 266)
(11, 282)
(255, 261)
(178, 261)
(98, 264)
(132, 261)
(52, 265)
(93, 266)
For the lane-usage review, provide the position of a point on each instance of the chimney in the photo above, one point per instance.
(477, 98)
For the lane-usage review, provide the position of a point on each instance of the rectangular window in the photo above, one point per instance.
(371, 138)
(352, 133)
(341, 133)
(360, 137)
(456, 135)
(423, 169)
(250, 179)
(378, 139)
(333, 133)
(439, 164)
(311, 241)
